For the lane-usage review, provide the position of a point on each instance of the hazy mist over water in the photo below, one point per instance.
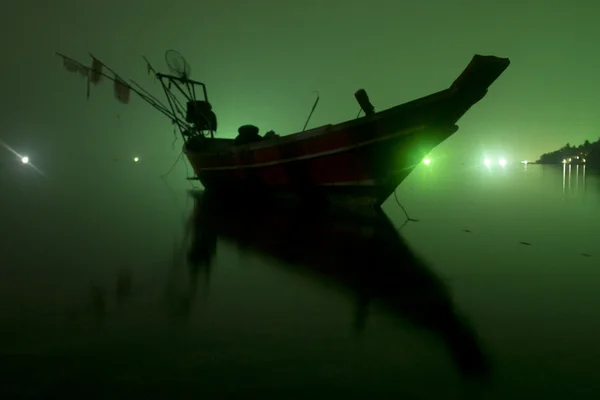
(94, 286)
(493, 294)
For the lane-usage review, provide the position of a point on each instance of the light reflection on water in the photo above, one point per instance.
(579, 176)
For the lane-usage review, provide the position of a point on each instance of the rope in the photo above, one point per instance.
(408, 218)
(187, 171)
(172, 166)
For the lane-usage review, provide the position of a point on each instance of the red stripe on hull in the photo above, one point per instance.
(302, 147)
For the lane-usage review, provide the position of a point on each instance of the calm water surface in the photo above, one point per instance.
(110, 289)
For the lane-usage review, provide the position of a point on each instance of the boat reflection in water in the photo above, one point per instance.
(362, 253)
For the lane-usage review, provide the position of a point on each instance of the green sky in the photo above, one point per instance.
(263, 59)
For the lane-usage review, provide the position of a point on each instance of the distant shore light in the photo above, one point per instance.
(427, 161)
(25, 159)
(502, 162)
(136, 159)
(487, 162)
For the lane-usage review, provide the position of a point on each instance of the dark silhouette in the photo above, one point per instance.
(362, 253)
(590, 152)
(360, 161)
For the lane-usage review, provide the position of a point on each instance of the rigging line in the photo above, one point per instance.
(178, 106)
(173, 100)
(150, 68)
(178, 103)
(178, 88)
(157, 102)
(175, 139)
(187, 172)
(117, 77)
(144, 97)
(172, 166)
(148, 96)
(143, 93)
(408, 218)
(179, 157)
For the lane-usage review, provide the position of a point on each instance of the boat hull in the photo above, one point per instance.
(364, 174)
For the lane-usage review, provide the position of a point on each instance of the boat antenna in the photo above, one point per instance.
(312, 111)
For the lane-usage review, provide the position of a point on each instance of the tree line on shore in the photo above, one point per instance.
(588, 152)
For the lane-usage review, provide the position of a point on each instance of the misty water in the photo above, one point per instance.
(492, 294)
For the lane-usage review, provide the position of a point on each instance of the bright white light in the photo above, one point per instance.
(525, 162)
(427, 161)
(136, 159)
(583, 159)
(564, 161)
(25, 159)
(487, 162)
(502, 162)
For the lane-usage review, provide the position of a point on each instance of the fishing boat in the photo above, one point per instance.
(360, 161)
